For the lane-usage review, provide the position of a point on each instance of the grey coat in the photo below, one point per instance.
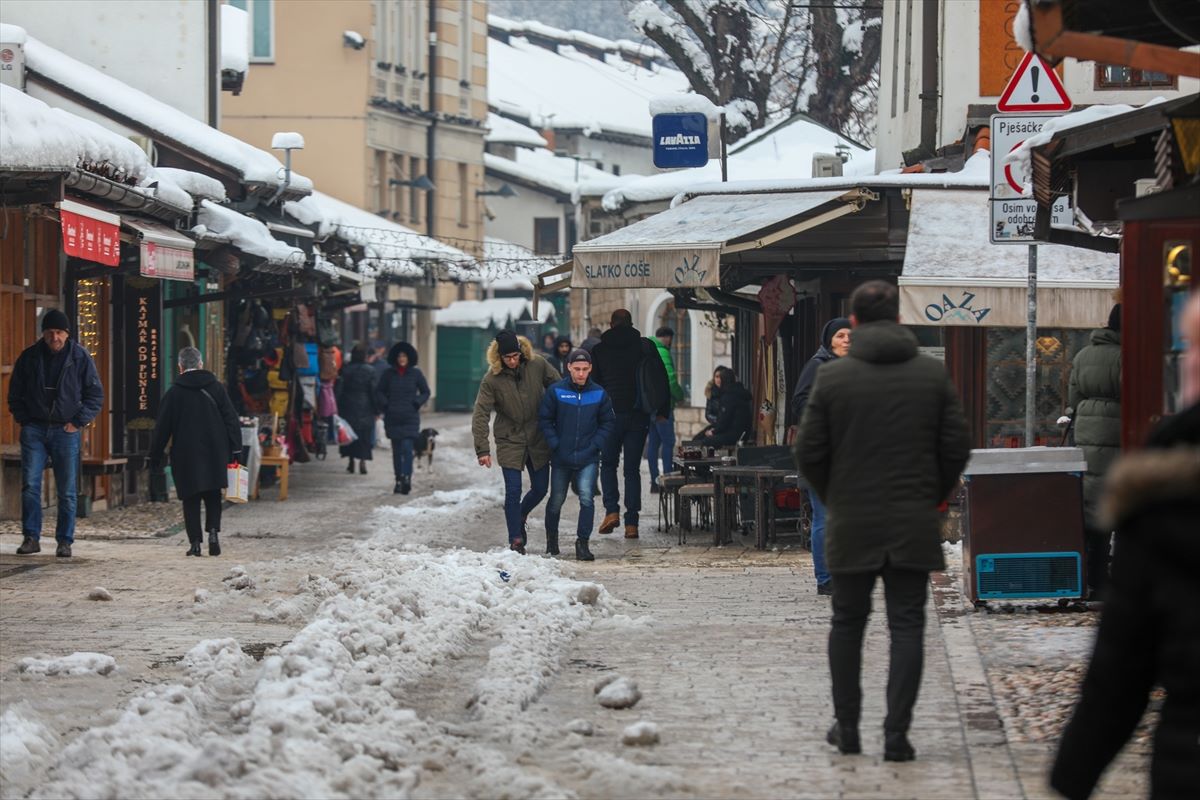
(1095, 394)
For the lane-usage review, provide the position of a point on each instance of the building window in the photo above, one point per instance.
(464, 44)
(262, 27)
(545, 236)
(1115, 76)
(464, 197)
(616, 168)
(380, 184)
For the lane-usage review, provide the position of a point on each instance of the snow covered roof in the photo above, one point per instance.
(139, 110)
(34, 136)
(779, 153)
(583, 38)
(497, 312)
(388, 246)
(948, 241)
(502, 130)
(571, 90)
(199, 186)
(246, 234)
(540, 167)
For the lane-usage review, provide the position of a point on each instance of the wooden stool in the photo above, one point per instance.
(281, 463)
(699, 493)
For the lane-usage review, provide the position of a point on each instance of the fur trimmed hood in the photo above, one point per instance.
(493, 354)
(1151, 477)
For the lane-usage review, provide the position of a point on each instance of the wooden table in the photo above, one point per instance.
(701, 467)
(762, 479)
(281, 463)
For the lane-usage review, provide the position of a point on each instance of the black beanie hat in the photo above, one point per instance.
(55, 320)
(1114, 318)
(507, 342)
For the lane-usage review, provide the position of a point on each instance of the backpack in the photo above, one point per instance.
(652, 392)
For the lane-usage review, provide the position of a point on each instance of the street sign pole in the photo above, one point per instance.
(724, 152)
(1031, 346)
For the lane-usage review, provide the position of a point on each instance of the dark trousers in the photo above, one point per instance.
(626, 442)
(212, 514)
(1096, 551)
(904, 593)
(516, 508)
(402, 458)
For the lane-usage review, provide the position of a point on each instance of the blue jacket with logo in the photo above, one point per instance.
(575, 422)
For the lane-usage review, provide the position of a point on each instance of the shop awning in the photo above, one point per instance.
(166, 253)
(682, 247)
(158, 233)
(953, 275)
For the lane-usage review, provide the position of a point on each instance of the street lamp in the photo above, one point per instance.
(287, 141)
(421, 182)
(504, 191)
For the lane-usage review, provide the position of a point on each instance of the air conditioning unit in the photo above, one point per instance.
(826, 165)
(12, 64)
(1023, 524)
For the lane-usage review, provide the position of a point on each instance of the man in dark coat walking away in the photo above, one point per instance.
(54, 393)
(401, 393)
(356, 404)
(1150, 627)
(883, 441)
(1095, 394)
(628, 366)
(199, 421)
(576, 417)
(513, 388)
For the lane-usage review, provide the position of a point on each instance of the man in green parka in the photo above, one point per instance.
(1095, 394)
(882, 442)
(513, 388)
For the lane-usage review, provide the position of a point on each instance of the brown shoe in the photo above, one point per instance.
(29, 545)
(631, 532)
(610, 522)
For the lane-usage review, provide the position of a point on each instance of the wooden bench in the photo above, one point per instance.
(280, 463)
(104, 466)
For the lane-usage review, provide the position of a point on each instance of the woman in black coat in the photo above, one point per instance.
(401, 392)
(735, 415)
(357, 405)
(199, 421)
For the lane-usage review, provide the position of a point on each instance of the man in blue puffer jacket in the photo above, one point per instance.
(576, 418)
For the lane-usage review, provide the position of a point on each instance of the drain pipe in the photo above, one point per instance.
(929, 77)
(431, 134)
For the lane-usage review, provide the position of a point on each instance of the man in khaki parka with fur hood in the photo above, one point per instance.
(513, 388)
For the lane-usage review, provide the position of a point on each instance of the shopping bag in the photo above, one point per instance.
(237, 478)
(345, 434)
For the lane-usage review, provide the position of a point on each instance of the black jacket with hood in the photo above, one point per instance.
(615, 365)
(80, 394)
(808, 375)
(199, 421)
(400, 397)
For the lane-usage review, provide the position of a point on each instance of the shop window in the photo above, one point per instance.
(1056, 348)
(545, 236)
(262, 28)
(1115, 76)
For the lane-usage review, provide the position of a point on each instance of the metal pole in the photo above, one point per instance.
(724, 154)
(1031, 347)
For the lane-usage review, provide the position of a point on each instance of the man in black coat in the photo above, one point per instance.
(882, 442)
(54, 393)
(629, 368)
(199, 421)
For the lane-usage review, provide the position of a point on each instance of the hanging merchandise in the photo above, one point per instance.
(326, 401)
(308, 387)
(306, 321)
(325, 333)
(304, 365)
(327, 366)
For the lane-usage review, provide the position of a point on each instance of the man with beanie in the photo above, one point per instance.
(629, 368)
(54, 393)
(576, 418)
(512, 388)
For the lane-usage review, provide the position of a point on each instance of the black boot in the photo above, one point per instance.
(214, 544)
(29, 545)
(399, 488)
(350, 466)
(362, 467)
(581, 551)
(845, 739)
(194, 547)
(896, 747)
(405, 484)
(552, 544)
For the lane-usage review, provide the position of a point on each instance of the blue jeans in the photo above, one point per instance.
(40, 441)
(818, 538)
(584, 479)
(626, 442)
(402, 457)
(517, 508)
(661, 437)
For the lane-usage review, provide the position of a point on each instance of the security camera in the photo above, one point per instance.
(353, 39)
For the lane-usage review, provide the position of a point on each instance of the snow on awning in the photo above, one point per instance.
(248, 235)
(953, 275)
(158, 233)
(682, 247)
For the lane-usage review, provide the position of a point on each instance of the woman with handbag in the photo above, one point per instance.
(356, 404)
(199, 421)
(401, 393)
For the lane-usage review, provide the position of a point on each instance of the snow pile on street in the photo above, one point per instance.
(74, 664)
(100, 593)
(35, 136)
(25, 744)
(640, 734)
(331, 713)
(617, 691)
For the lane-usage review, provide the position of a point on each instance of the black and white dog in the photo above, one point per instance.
(424, 446)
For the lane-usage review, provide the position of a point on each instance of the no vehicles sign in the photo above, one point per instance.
(1013, 214)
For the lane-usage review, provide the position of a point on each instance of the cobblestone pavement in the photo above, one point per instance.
(727, 645)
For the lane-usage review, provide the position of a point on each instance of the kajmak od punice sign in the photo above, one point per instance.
(143, 315)
(647, 269)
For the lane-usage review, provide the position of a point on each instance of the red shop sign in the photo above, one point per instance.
(90, 233)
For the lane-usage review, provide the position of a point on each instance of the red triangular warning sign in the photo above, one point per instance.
(1034, 87)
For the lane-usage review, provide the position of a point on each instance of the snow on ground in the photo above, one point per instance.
(25, 744)
(331, 712)
(74, 664)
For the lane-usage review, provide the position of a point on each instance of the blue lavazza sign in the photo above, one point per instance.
(680, 140)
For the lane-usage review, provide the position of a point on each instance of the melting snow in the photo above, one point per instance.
(74, 664)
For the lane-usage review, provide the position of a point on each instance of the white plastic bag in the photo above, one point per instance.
(237, 489)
